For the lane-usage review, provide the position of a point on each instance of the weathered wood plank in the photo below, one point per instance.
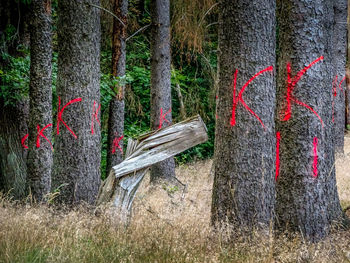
(158, 146)
(120, 187)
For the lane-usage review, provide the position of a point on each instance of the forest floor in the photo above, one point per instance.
(169, 224)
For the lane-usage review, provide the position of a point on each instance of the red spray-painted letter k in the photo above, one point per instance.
(60, 112)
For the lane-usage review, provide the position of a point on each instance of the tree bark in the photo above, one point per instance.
(39, 160)
(117, 104)
(161, 79)
(307, 198)
(244, 162)
(339, 58)
(347, 90)
(77, 149)
(13, 155)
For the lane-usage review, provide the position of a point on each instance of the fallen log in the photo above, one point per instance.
(119, 189)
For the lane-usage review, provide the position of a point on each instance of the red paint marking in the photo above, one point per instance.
(95, 116)
(341, 82)
(278, 140)
(162, 117)
(23, 140)
(116, 145)
(238, 98)
(314, 166)
(41, 134)
(334, 91)
(60, 112)
(334, 86)
(292, 82)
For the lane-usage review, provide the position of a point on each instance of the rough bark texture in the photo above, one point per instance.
(243, 192)
(13, 169)
(39, 160)
(347, 91)
(339, 61)
(77, 160)
(307, 198)
(117, 104)
(161, 79)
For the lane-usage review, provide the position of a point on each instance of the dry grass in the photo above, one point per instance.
(343, 175)
(189, 23)
(168, 225)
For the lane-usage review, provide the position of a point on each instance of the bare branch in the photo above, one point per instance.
(109, 12)
(138, 31)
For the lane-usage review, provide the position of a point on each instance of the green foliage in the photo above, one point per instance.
(14, 83)
(171, 190)
(196, 84)
(26, 2)
(195, 79)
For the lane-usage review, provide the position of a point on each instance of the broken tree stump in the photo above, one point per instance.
(119, 189)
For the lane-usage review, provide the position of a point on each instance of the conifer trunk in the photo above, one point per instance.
(161, 79)
(77, 154)
(117, 104)
(244, 163)
(39, 160)
(307, 198)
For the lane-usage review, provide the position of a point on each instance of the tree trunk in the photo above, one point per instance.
(244, 163)
(307, 198)
(39, 160)
(13, 155)
(161, 79)
(77, 143)
(339, 61)
(117, 104)
(347, 90)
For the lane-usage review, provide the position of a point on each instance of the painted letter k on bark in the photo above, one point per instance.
(60, 112)
(291, 84)
(41, 134)
(238, 98)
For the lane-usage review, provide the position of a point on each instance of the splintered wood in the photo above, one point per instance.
(120, 187)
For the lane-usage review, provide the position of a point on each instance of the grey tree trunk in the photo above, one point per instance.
(307, 198)
(161, 116)
(13, 144)
(39, 160)
(77, 143)
(339, 62)
(347, 90)
(117, 104)
(244, 163)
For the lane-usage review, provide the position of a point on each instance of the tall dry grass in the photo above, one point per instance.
(169, 224)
